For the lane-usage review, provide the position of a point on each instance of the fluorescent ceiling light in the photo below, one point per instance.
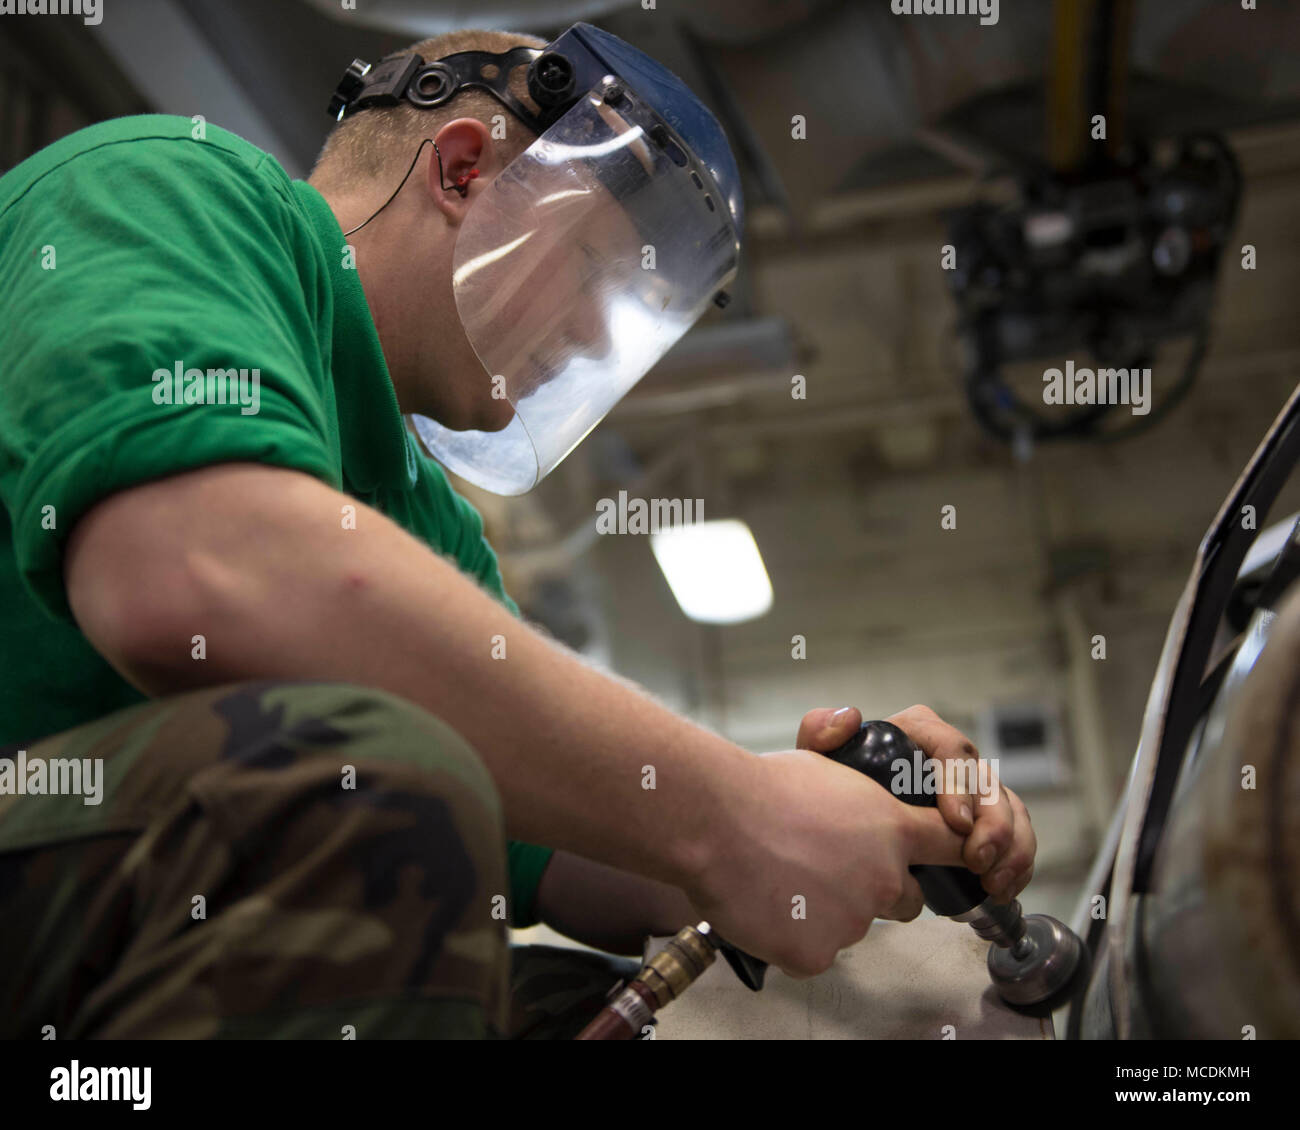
(715, 570)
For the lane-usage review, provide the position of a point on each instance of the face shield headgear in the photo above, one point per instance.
(590, 254)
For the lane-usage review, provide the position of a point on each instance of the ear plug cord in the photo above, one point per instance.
(461, 185)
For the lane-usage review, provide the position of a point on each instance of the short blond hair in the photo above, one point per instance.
(378, 144)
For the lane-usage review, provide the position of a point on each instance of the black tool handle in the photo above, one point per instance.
(890, 758)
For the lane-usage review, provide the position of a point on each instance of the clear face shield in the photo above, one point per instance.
(576, 269)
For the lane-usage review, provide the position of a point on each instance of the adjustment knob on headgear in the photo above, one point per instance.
(550, 79)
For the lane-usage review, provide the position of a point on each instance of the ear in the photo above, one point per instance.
(465, 144)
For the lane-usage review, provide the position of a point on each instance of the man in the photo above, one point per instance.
(265, 615)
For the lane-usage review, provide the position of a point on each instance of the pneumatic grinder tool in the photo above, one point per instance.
(1033, 959)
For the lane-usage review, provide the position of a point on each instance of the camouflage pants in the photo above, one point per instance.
(299, 860)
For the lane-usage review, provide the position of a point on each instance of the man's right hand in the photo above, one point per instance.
(809, 853)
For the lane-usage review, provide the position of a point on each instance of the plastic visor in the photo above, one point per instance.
(581, 264)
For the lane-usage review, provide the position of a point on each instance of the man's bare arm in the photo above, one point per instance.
(257, 560)
(609, 909)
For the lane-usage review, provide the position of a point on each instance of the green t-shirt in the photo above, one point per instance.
(132, 247)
